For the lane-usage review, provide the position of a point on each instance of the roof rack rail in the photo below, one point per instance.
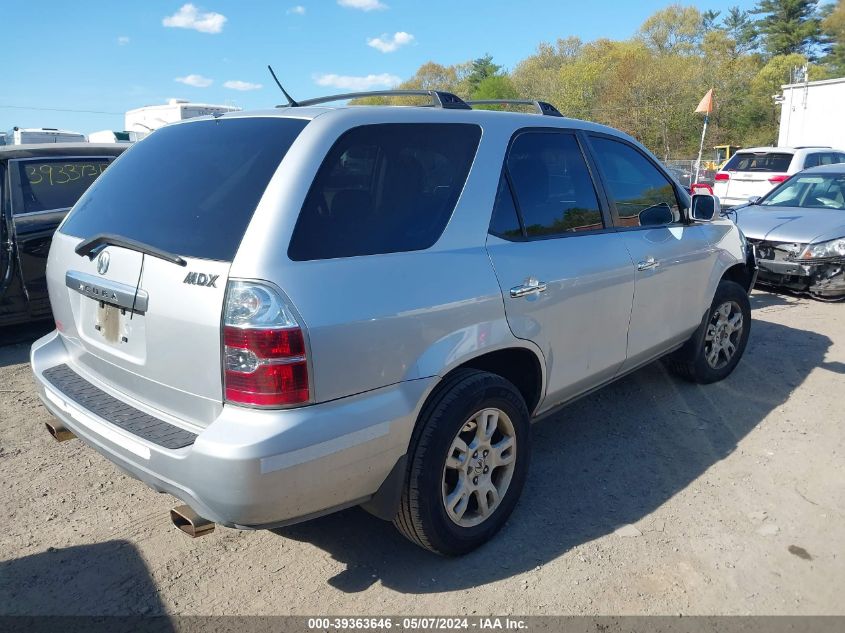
(542, 107)
(439, 99)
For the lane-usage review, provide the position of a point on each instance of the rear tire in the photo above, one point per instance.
(716, 347)
(468, 461)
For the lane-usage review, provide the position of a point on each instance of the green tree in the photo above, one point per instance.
(709, 18)
(833, 27)
(481, 69)
(789, 26)
(495, 87)
(649, 85)
(675, 29)
(741, 29)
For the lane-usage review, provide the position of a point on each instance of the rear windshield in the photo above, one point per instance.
(49, 184)
(384, 189)
(190, 188)
(758, 162)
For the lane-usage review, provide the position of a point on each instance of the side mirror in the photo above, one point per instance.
(704, 207)
(754, 199)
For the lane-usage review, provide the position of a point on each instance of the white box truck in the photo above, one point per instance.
(32, 135)
(150, 118)
(813, 113)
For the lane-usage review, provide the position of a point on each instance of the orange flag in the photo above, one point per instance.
(707, 103)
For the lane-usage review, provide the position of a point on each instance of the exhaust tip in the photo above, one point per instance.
(189, 522)
(59, 433)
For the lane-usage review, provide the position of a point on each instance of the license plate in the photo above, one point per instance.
(108, 322)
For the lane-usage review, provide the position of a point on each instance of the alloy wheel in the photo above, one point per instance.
(723, 334)
(479, 467)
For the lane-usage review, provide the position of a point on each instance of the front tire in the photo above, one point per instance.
(716, 347)
(468, 462)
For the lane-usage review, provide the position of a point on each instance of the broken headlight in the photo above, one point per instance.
(822, 250)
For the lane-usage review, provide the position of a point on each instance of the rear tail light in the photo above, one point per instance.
(776, 180)
(264, 355)
(722, 176)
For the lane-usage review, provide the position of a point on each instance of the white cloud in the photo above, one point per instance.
(363, 5)
(197, 81)
(241, 85)
(388, 44)
(189, 17)
(356, 83)
(122, 40)
(297, 10)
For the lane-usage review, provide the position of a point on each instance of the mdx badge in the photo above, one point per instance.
(201, 279)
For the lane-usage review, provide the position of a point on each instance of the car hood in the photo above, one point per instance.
(790, 224)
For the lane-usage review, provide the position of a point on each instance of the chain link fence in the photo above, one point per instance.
(684, 171)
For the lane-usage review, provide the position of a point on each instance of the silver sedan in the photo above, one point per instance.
(798, 231)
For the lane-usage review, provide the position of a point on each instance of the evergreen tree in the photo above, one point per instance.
(481, 69)
(789, 26)
(833, 27)
(741, 29)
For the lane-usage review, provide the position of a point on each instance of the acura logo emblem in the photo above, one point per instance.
(103, 262)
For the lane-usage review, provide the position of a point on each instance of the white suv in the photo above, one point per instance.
(753, 172)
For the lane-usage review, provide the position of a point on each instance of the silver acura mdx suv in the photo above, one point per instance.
(279, 314)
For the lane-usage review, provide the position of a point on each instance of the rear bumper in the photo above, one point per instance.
(254, 468)
(823, 279)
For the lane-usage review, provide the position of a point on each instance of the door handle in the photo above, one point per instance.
(649, 262)
(530, 286)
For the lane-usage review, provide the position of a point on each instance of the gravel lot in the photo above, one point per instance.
(651, 496)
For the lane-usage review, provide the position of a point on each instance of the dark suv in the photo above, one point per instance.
(38, 186)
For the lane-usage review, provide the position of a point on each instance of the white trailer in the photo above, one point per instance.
(112, 136)
(22, 136)
(813, 113)
(150, 118)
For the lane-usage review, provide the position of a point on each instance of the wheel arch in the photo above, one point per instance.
(742, 274)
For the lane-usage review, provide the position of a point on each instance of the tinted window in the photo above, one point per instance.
(552, 185)
(643, 195)
(55, 184)
(384, 189)
(812, 160)
(505, 222)
(763, 161)
(189, 188)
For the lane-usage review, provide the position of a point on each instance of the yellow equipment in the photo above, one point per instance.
(722, 155)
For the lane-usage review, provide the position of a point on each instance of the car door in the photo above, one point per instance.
(9, 299)
(674, 260)
(42, 192)
(565, 274)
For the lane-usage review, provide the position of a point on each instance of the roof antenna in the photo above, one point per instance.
(291, 102)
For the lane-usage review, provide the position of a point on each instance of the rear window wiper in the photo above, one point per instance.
(93, 245)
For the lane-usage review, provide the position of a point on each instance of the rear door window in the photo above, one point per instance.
(505, 221)
(385, 188)
(552, 184)
(763, 161)
(643, 195)
(55, 183)
(812, 160)
(189, 188)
